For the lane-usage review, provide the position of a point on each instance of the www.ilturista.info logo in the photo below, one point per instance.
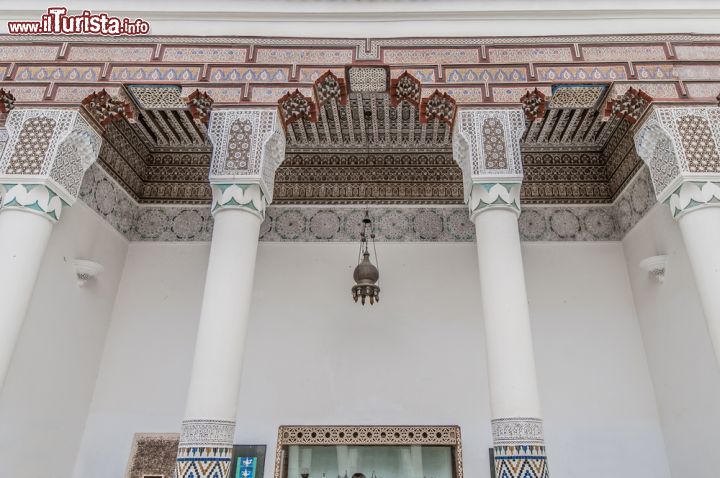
(57, 21)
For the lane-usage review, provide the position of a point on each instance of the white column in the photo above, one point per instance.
(511, 363)
(514, 400)
(43, 161)
(700, 230)
(248, 145)
(220, 343)
(208, 429)
(486, 146)
(23, 239)
(681, 146)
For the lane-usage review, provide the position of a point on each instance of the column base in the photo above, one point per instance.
(519, 448)
(203, 462)
(205, 449)
(520, 461)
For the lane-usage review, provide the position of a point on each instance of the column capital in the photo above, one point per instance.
(44, 158)
(680, 145)
(247, 197)
(486, 146)
(248, 147)
(493, 195)
(36, 198)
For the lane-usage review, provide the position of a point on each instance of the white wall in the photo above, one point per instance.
(315, 357)
(683, 367)
(50, 382)
(148, 353)
(600, 413)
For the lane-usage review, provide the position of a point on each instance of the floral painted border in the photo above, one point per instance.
(136, 222)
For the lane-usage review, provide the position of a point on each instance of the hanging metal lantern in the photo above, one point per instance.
(366, 275)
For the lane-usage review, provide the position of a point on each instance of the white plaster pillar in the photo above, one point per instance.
(507, 321)
(44, 158)
(23, 239)
(701, 233)
(247, 148)
(681, 148)
(486, 145)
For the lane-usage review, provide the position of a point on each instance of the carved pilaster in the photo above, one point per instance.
(486, 146)
(248, 146)
(680, 147)
(45, 157)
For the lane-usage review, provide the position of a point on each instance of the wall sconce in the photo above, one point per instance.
(655, 266)
(86, 270)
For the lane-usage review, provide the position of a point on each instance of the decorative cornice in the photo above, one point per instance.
(247, 197)
(693, 195)
(7, 101)
(486, 196)
(34, 198)
(340, 223)
(295, 106)
(629, 106)
(369, 48)
(307, 224)
(438, 106)
(534, 104)
(329, 87)
(200, 104)
(105, 109)
(405, 88)
(634, 202)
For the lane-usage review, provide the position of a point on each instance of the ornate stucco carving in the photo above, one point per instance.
(680, 147)
(45, 157)
(249, 145)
